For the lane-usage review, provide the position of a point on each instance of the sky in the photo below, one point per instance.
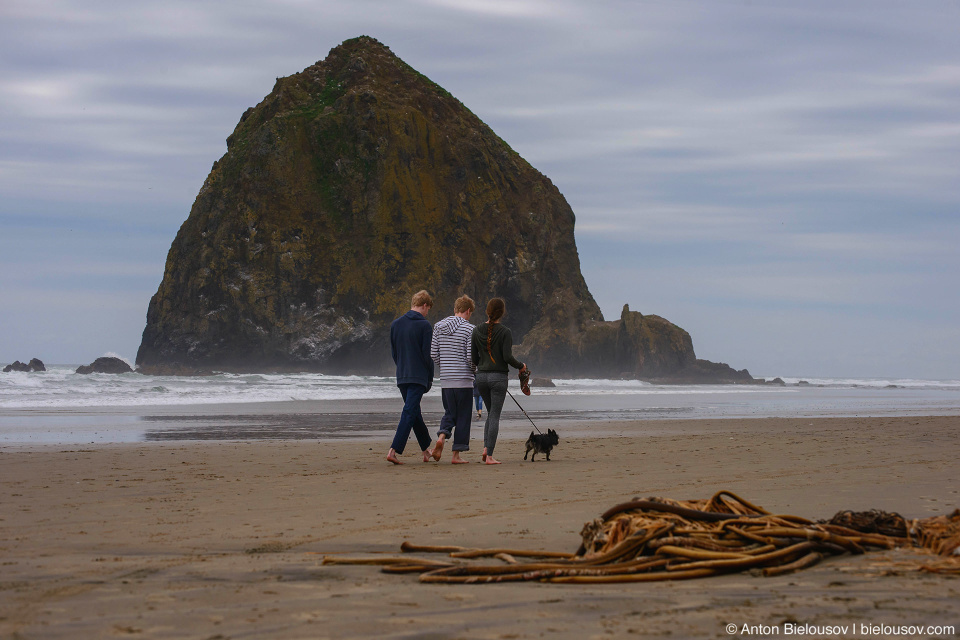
(780, 179)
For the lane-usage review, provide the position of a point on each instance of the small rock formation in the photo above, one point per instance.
(637, 346)
(35, 364)
(542, 382)
(105, 365)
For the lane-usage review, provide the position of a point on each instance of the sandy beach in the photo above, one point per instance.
(225, 539)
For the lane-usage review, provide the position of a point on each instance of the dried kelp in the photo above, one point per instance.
(661, 539)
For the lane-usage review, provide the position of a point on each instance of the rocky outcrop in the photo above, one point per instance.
(636, 346)
(352, 185)
(105, 365)
(35, 364)
(545, 383)
(706, 372)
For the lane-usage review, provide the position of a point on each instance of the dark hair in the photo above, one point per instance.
(495, 310)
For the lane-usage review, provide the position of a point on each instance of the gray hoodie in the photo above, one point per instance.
(450, 350)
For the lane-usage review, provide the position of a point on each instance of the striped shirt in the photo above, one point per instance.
(450, 350)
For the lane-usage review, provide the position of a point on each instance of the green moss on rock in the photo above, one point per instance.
(353, 184)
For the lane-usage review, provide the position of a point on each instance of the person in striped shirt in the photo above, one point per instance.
(450, 350)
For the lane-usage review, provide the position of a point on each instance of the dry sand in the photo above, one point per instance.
(225, 540)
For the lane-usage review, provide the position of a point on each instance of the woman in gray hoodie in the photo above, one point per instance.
(491, 351)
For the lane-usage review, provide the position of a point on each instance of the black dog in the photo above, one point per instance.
(541, 443)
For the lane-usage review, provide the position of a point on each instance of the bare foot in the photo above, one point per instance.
(392, 457)
(457, 459)
(427, 455)
(483, 457)
(438, 448)
(491, 460)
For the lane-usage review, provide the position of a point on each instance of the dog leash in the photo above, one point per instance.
(525, 413)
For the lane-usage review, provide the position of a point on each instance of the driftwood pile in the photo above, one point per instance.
(662, 539)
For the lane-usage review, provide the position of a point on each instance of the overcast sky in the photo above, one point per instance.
(780, 179)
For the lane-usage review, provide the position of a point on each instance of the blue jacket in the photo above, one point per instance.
(410, 336)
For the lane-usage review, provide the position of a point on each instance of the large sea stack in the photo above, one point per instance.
(355, 183)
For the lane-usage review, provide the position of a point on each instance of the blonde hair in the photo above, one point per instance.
(463, 304)
(421, 298)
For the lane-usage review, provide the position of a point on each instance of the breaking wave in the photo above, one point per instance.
(60, 387)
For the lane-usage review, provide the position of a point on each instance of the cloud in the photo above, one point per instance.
(762, 157)
(69, 326)
(506, 8)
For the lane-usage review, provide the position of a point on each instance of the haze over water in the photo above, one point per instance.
(60, 406)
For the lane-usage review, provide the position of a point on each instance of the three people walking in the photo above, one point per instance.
(466, 356)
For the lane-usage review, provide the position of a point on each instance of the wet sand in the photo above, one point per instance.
(225, 539)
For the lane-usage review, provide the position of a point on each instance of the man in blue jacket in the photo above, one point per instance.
(410, 337)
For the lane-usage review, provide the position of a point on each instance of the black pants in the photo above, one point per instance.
(458, 410)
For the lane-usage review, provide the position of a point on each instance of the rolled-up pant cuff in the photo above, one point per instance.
(458, 411)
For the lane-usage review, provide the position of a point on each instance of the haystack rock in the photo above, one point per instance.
(352, 185)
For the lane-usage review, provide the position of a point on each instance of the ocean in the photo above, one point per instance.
(60, 406)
